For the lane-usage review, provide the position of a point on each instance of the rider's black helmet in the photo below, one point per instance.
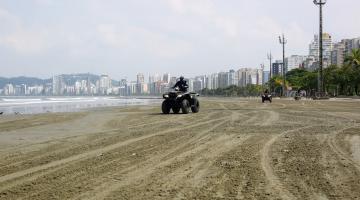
(181, 78)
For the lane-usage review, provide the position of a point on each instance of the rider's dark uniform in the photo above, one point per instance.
(182, 85)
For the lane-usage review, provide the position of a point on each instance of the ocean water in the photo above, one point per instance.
(35, 105)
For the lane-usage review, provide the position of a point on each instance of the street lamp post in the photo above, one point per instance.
(320, 3)
(269, 56)
(283, 41)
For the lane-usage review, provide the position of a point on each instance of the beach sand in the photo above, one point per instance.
(232, 149)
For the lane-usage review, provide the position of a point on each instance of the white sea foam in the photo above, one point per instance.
(25, 105)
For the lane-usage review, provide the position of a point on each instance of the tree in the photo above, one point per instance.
(331, 79)
(353, 59)
(352, 65)
(295, 78)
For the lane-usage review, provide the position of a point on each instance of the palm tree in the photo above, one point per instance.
(352, 62)
(353, 59)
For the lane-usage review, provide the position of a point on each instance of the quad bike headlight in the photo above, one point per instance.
(179, 96)
(166, 96)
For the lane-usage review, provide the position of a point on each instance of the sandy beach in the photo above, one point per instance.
(232, 149)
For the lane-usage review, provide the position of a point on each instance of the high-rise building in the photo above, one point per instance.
(140, 78)
(151, 79)
(259, 76)
(214, 81)
(233, 78)
(250, 76)
(202, 79)
(242, 77)
(198, 85)
(9, 89)
(351, 44)
(277, 68)
(338, 53)
(144, 88)
(166, 78)
(310, 63)
(190, 83)
(172, 81)
(266, 76)
(294, 61)
(58, 85)
(105, 84)
(327, 48)
(223, 79)
(157, 78)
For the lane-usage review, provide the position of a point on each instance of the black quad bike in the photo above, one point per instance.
(266, 97)
(177, 100)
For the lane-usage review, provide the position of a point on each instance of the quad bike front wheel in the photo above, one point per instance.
(165, 107)
(185, 106)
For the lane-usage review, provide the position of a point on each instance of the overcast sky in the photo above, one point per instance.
(183, 37)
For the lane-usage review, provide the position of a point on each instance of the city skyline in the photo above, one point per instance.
(89, 84)
(45, 37)
(157, 83)
(334, 53)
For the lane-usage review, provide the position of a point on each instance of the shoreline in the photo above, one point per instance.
(21, 106)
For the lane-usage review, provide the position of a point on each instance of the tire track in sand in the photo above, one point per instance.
(101, 169)
(94, 153)
(108, 131)
(137, 174)
(274, 181)
(149, 166)
(331, 140)
(272, 118)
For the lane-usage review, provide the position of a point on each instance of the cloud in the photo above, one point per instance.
(27, 42)
(14, 36)
(110, 35)
(141, 40)
(206, 11)
(8, 21)
(45, 2)
(198, 36)
(203, 8)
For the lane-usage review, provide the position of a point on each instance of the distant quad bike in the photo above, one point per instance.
(177, 100)
(266, 97)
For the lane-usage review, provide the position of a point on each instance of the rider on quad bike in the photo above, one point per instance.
(266, 96)
(180, 99)
(181, 84)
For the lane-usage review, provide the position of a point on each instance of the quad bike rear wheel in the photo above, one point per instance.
(195, 106)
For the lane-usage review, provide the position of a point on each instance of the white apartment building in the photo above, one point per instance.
(338, 53)
(294, 61)
(58, 85)
(327, 47)
(104, 84)
(250, 76)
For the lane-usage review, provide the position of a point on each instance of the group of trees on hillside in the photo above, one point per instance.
(338, 80)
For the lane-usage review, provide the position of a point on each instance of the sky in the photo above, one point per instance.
(121, 38)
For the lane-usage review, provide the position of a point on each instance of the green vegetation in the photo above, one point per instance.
(249, 90)
(338, 80)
